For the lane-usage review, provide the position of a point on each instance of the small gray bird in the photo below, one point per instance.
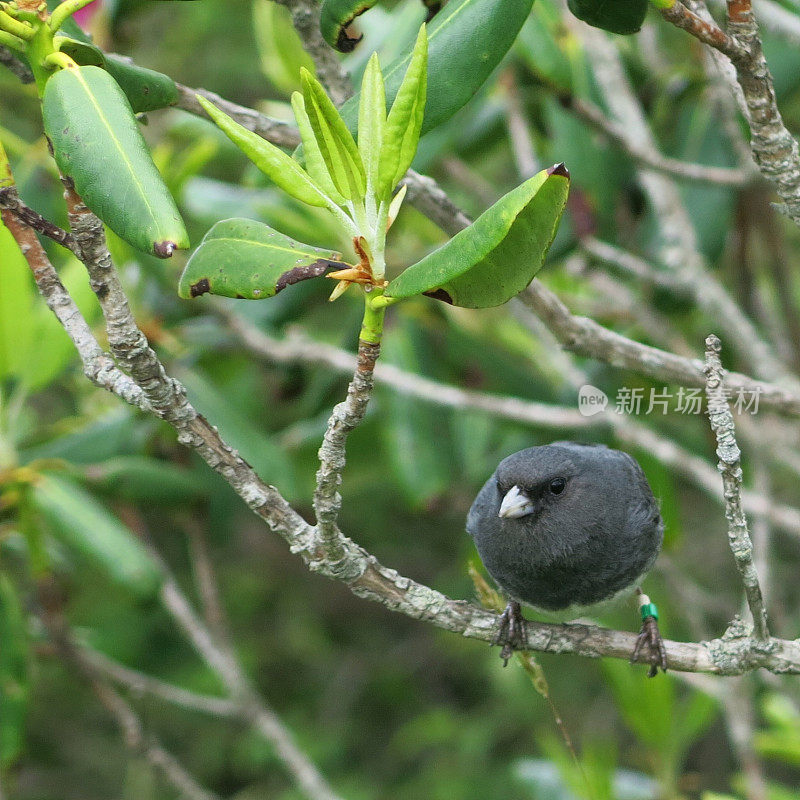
(564, 527)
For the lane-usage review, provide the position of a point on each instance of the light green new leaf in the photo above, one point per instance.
(249, 260)
(279, 167)
(93, 532)
(403, 125)
(335, 142)
(315, 163)
(498, 255)
(14, 673)
(98, 144)
(371, 119)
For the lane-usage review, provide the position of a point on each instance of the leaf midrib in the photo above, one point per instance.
(101, 114)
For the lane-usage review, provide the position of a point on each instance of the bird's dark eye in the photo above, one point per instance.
(557, 485)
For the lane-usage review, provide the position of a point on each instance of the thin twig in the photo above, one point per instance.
(10, 200)
(707, 32)
(204, 578)
(721, 419)
(140, 684)
(650, 157)
(273, 130)
(98, 366)
(134, 734)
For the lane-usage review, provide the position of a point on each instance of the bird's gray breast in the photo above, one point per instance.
(577, 557)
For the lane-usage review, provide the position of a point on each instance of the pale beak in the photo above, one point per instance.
(516, 504)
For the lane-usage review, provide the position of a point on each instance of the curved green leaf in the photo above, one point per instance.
(279, 167)
(249, 260)
(466, 41)
(14, 673)
(498, 255)
(78, 520)
(371, 118)
(335, 142)
(97, 143)
(334, 18)
(403, 125)
(315, 161)
(146, 89)
(146, 480)
(617, 16)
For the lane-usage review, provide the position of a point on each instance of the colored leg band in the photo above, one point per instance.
(649, 610)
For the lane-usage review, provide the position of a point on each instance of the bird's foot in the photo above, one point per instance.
(650, 636)
(513, 631)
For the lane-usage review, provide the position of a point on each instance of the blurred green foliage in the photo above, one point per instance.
(385, 705)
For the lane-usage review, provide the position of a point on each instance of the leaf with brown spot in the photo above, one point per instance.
(246, 259)
(498, 255)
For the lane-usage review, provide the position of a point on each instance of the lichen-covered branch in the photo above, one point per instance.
(98, 366)
(346, 416)
(10, 200)
(721, 419)
(775, 150)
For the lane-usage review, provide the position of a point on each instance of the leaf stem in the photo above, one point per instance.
(372, 324)
(21, 29)
(9, 40)
(64, 10)
(61, 60)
